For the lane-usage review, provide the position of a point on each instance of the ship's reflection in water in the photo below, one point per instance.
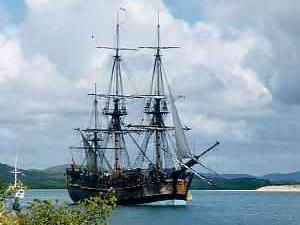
(206, 208)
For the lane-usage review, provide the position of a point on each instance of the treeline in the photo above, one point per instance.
(243, 183)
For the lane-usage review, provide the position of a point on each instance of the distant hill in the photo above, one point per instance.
(53, 177)
(283, 178)
(236, 182)
(34, 178)
(56, 172)
(234, 176)
(56, 169)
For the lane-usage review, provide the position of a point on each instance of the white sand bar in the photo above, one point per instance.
(281, 188)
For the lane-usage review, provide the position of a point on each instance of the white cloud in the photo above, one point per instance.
(48, 5)
(11, 59)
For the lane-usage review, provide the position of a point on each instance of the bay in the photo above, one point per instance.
(207, 208)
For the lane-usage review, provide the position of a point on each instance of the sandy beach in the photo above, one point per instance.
(280, 188)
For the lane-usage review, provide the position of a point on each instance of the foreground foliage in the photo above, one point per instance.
(93, 211)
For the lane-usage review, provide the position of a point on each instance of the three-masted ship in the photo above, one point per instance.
(162, 168)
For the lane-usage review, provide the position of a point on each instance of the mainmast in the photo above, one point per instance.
(158, 101)
(116, 114)
(157, 109)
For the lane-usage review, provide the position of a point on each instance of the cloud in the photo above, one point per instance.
(277, 23)
(40, 6)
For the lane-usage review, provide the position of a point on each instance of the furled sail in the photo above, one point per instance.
(90, 155)
(182, 147)
(139, 161)
(102, 158)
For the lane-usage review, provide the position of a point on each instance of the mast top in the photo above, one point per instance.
(158, 47)
(158, 30)
(117, 48)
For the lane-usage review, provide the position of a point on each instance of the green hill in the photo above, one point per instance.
(240, 183)
(34, 178)
(56, 172)
(53, 177)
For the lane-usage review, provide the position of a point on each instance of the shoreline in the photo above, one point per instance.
(280, 188)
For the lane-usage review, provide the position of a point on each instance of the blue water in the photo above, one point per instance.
(207, 208)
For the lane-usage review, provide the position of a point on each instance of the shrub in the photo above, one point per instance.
(93, 211)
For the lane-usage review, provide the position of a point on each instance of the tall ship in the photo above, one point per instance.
(162, 166)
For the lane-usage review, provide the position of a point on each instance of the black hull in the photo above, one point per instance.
(147, 192)
(78, 194)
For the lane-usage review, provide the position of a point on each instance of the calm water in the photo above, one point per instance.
(207, 208)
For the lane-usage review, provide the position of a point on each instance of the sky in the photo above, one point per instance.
(237, 68)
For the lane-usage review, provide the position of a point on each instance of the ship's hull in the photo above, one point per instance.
(147, 192)
(77, 194)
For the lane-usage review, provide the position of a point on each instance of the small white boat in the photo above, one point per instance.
(20, 193)
(17, 190)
